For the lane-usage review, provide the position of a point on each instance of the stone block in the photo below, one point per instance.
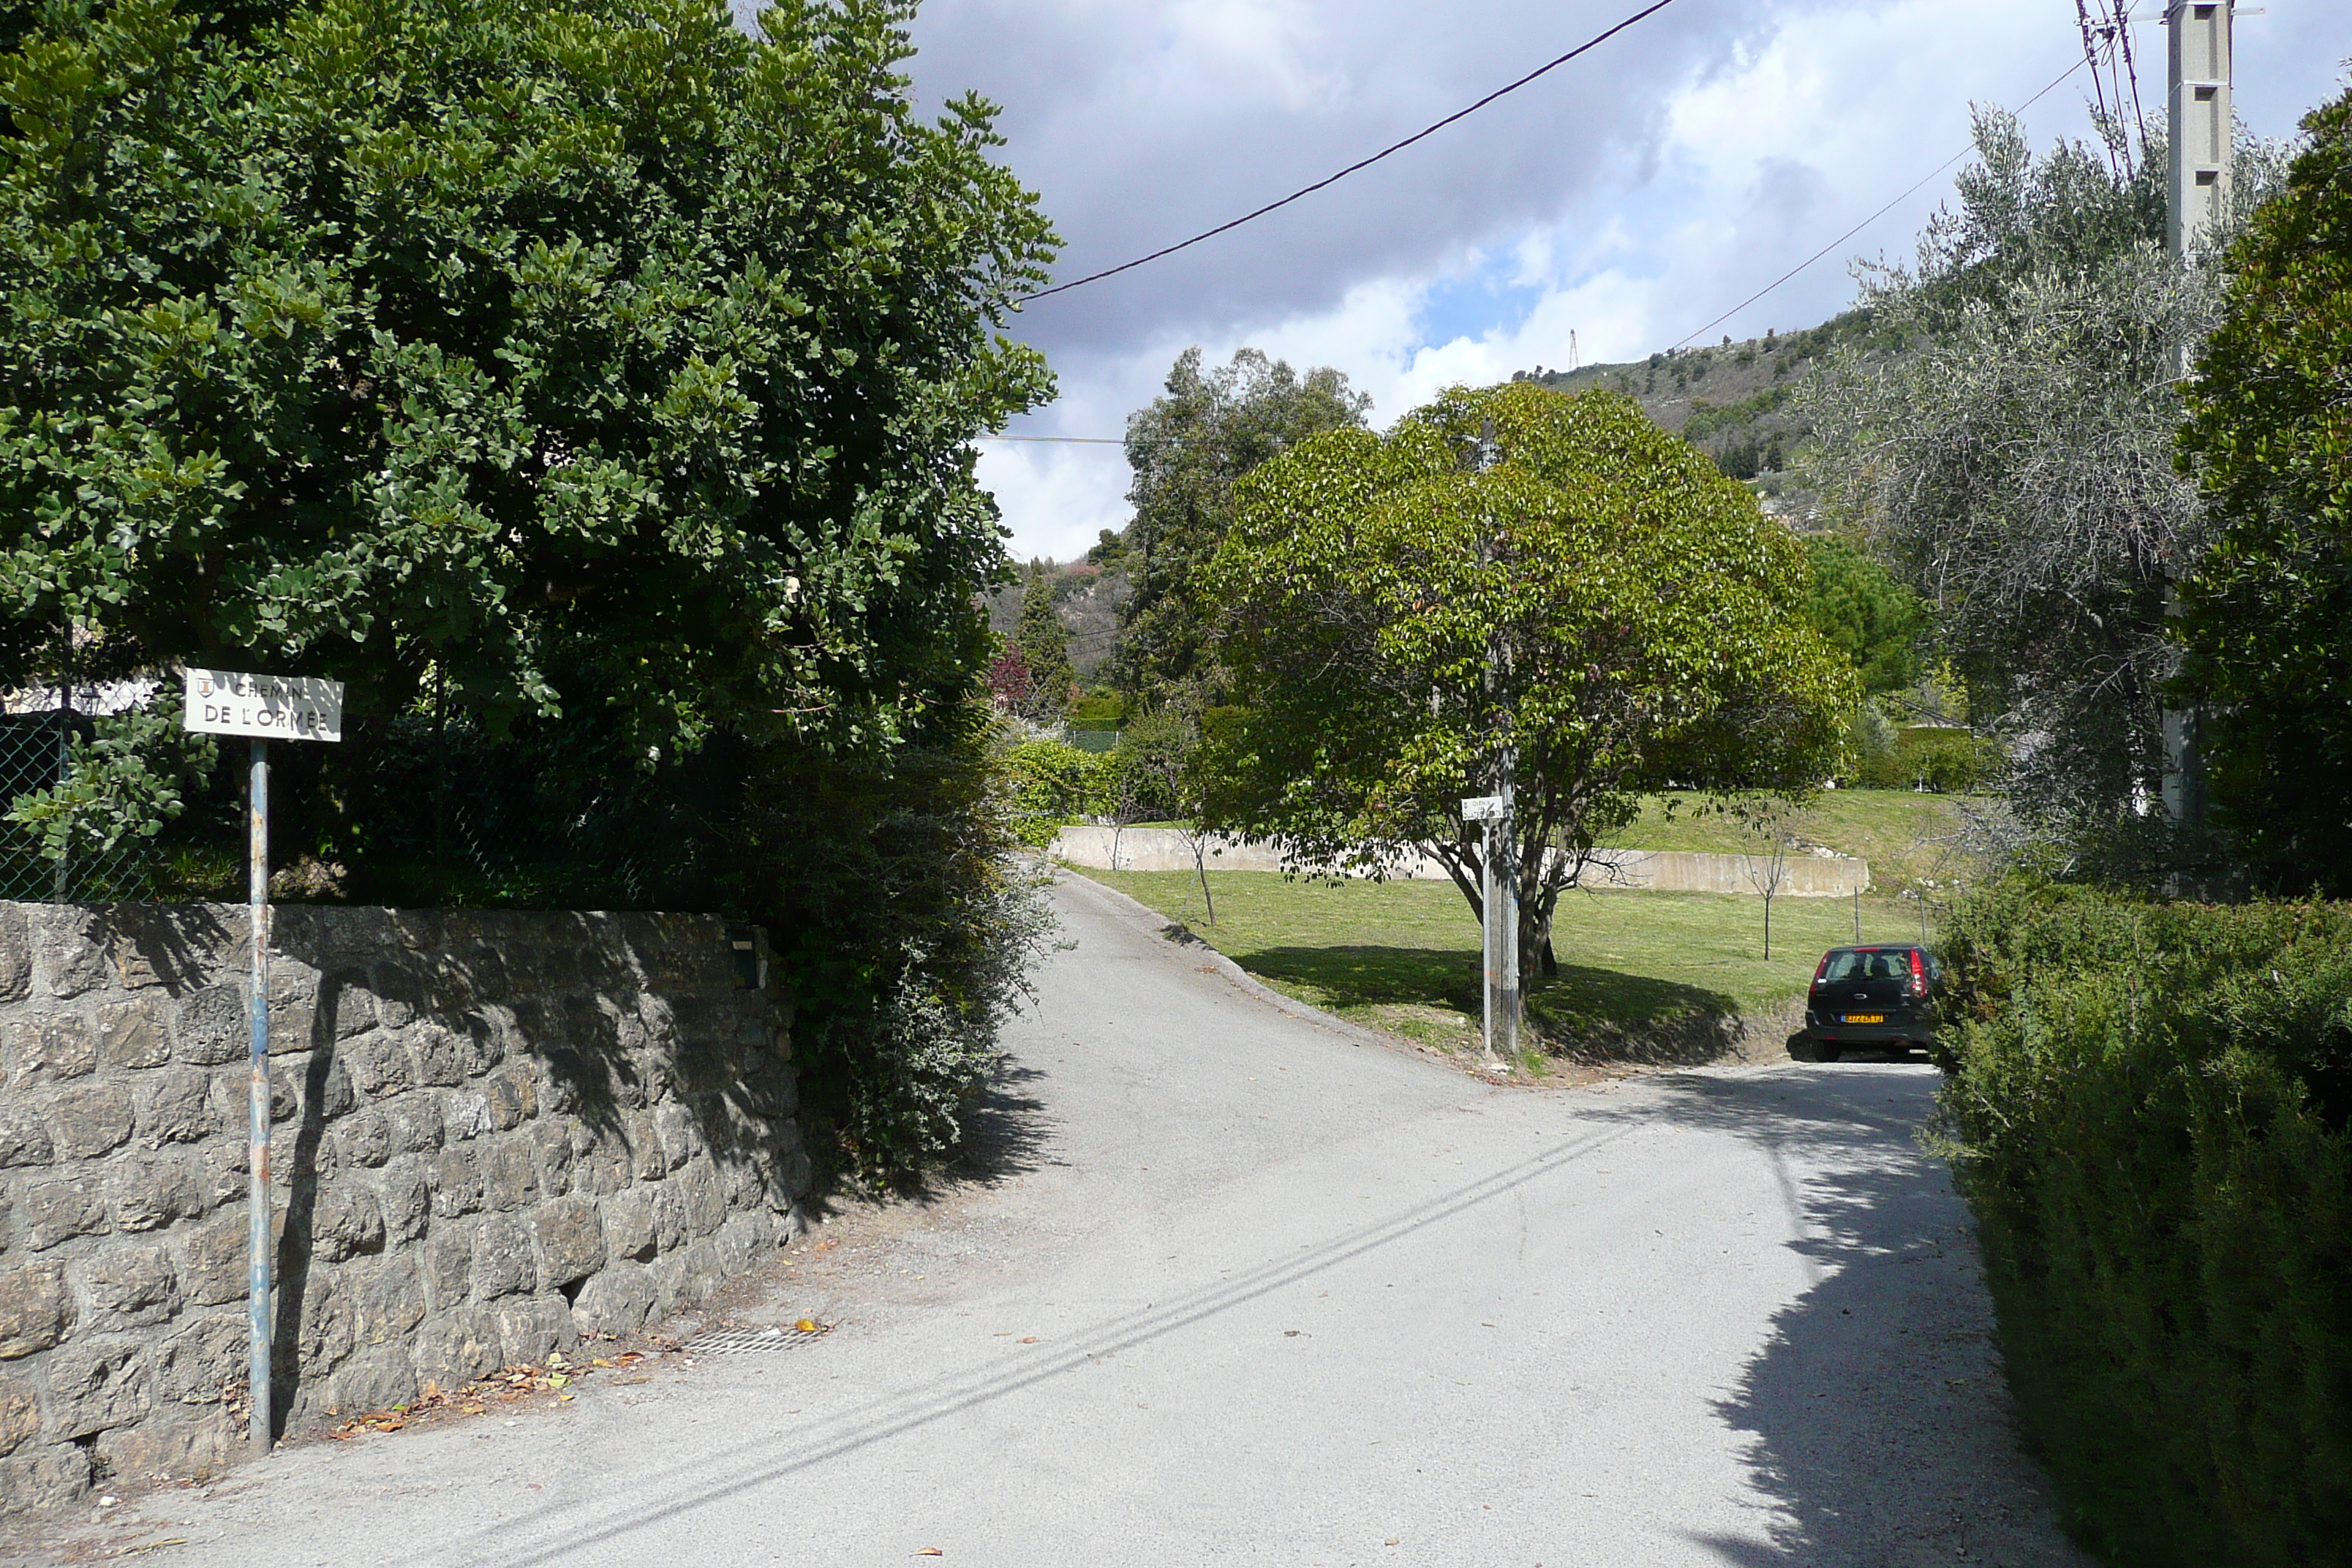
(220, 1171)
(23, 1140)
(415, 1123)
(615, 1301)
(336, 1098)
(48, 1048)
(437, 1056)
(601, 1163)
(178, 1106)
(209, 1027)
(447, 1263)
(293, 1004)
(405, 1198)
(366, 1139)
(553, 1140)
(15, 955)
(744, 1241)
(134, 1035)
(374, 1380)
(60, 1209)
(502, 1263)
(45, 1477)
(513, 1095)
(485, 1032)
(346, 1222)
(20, 1412)
(649, 1164)
(510, 1174)
(457, 1347)
(455, 1181)
(95, 1384)
(285, 1088)
(378, 1063)
(323, 1333)
(704, 1198)
(213, 1264)
(629, 1226)
(680, 1140)
(69, 949)
(464, 1116)
(195, 1446)
(127, 1287)
(571, 1240)
(149, 1195)
(90, 1119)
(687, 1277)
(529, 1326)
(396, 991)
(201, 1361)
(387, 1299)
(353, 1004)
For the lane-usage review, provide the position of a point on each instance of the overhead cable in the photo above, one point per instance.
(1589, 44)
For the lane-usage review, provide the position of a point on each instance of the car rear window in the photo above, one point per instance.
(1870, 963)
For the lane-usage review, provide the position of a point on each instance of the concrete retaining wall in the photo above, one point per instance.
(495, 1132)
(1648, 871)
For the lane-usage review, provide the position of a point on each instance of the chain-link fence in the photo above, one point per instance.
(35, 750)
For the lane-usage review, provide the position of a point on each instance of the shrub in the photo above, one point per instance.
(1052, 784)
(2151, 1104)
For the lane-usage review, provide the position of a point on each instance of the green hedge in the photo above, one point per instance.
(2151, 1101)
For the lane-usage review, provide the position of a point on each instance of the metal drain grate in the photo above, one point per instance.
(745, 1342)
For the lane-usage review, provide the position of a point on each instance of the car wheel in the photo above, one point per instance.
(1802, 1050)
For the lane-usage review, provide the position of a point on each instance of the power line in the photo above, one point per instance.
(1872, 218)
(1589, 44)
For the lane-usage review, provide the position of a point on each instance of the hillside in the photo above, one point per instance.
(1730, 401)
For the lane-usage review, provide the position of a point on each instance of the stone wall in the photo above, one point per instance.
(494, 1132)
(1809, 876)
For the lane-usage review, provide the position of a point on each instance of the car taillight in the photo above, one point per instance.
(1918, 974)
(1820, 970)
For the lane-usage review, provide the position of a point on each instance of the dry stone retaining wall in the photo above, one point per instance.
(494, 1132)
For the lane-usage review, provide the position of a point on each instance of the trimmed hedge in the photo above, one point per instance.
(2151, 1101)
(1054, 783)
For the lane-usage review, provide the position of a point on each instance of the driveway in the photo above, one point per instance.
(1228, 1286)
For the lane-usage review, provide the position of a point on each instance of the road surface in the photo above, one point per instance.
(1229, 1286)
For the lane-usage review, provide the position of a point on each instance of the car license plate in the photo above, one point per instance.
(1865, 1018)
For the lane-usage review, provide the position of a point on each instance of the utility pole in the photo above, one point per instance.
(1501, 896)
(2199, 124)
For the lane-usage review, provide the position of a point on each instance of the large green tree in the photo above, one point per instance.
(2012, 457)
(602, 358)
(1188, 449)
(1593, 594)
(2269, 612)
(1043, 645)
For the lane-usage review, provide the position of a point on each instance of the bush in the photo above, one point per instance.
(1052, 784)
(2151, 1103)
(1922, 756)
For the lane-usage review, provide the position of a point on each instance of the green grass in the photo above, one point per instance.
(1904, 835)
(1652, 976)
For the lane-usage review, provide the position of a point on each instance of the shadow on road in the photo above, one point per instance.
(1877, 1419)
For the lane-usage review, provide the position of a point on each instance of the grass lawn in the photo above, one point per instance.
(1903, 834)
(1654, 976)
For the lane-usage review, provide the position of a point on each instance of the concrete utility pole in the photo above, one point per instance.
(1501, 1035)
(2198, 123)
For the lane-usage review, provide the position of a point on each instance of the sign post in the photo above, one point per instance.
(1500, 898)
(262, 708)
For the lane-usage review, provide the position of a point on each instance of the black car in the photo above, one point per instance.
(1878, 998)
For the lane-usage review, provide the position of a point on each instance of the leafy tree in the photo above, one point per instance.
(1187, 449)
(605, 360)
(2013, 460)
(1600, 599)
(1044, 650)
(2266, 612)
(1863, 612)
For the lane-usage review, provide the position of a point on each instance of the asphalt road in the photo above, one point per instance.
(1229, 1286)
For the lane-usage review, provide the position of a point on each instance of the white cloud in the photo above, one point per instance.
(1628, 198)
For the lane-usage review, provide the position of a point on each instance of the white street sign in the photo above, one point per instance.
(273, 707)
(1484, 808)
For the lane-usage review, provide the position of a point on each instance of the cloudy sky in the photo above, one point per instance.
(1628, 197)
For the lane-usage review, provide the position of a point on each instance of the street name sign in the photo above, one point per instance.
(1483, 808)
(266, 707)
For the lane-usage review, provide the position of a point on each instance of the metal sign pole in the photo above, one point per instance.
(1506, 911)
(262, 708)
(256, 1186)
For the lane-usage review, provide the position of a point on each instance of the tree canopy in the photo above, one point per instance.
(597, 353)
(1044, 645)
(1187, 449)
(2270, 430)
(1599, 598)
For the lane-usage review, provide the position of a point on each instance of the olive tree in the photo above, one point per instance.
(1512, 569)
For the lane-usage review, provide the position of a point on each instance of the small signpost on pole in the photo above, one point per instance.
(263, 708)
(1500, 898)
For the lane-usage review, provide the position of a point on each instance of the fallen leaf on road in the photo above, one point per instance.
(806, 1325)
(1030, 1340)
(930, 1551)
